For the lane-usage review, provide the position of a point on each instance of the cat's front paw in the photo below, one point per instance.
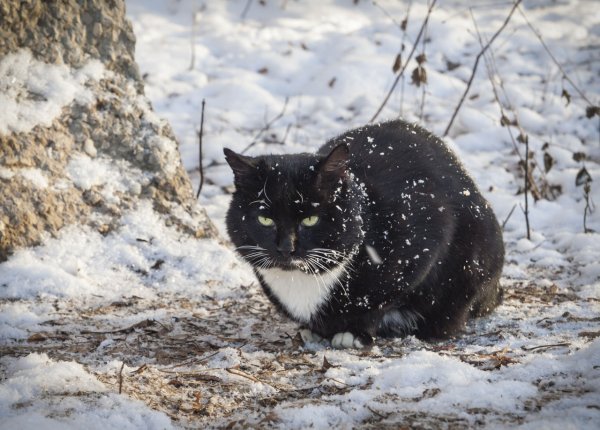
(348, 340)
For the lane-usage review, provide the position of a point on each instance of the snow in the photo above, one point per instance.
(75, 264)
(201, 345)
(35, 176)
(43, 393)
(34, 93)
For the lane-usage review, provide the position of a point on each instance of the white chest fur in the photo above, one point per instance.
(301, 293)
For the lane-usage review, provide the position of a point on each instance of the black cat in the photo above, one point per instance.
(381, 233)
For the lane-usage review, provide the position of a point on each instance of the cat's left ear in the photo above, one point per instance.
(334, 166)
(240, 164)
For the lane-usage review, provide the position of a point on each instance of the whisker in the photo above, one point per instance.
(321, 257)
(321, 284)
(251, 247)
(329, 251)
(251, 254)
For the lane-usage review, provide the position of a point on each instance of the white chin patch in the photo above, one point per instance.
(345, 340)
(300, 292)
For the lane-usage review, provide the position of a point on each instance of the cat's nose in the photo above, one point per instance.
(287, 246)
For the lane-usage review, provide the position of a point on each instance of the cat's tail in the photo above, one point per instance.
(399, 323)
(491, 296)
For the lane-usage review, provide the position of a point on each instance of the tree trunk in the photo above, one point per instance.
(79, 142)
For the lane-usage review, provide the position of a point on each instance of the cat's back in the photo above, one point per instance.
(416, 186)
(397, 149)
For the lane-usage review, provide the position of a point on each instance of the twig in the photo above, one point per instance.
(560, 67)
(526, 211)
(246, 9)
(587, 188)
(400, 25)
(285, 135)
(238, 372)
(141, 324)
(242, 374)
(267, 126)
(121, 377)
(401, 73)
(508, 216)
(377, 413)
(401, 110)
(554, 345)
(338, 381)
(562, 70)
(200, 169)
(192, 360)
(139, 369)
(485, 48)
(492, 71)
(424, 84)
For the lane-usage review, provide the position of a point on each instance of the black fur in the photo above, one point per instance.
(424, 243)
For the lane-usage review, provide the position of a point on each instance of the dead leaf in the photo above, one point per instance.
(583, 177)
(326, 365)
(419, 76)
(397, 63)
(566, 95)
(36, 337)
(548, 162)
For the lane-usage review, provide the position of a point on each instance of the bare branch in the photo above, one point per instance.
(522, 136)
(121, 377)
(485, 48)
(401, 73)
(560, 67)
(526, 211)
(267, 126)
(200, 168)
(589, 207)
(246, 9)
(508, 216)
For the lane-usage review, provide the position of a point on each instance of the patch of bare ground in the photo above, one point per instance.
(230, 363)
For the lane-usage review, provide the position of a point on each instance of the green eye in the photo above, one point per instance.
(310, 221)
(263, 220)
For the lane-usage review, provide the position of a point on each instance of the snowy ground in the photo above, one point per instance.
(179, 327)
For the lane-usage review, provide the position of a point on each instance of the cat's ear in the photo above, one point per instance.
(334, 166)
(240, 164)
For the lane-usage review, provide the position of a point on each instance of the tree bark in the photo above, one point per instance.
(79, 142)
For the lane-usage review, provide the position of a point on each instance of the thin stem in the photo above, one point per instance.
(200, 133)
(560, 67)
(267, 126)
(485, 48)
(526, 211)
(401, 73)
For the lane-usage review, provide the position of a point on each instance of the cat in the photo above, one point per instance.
(380, 233)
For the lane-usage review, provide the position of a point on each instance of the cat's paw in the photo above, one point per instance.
(348, 340)
(309, 336)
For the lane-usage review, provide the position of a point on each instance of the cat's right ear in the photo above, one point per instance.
(334, 166)
(241, 165)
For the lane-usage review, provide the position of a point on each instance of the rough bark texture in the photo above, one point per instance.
(112, 130)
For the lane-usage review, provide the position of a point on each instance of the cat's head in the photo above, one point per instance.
(298, 211)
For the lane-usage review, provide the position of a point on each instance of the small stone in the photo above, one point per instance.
(89, 148)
